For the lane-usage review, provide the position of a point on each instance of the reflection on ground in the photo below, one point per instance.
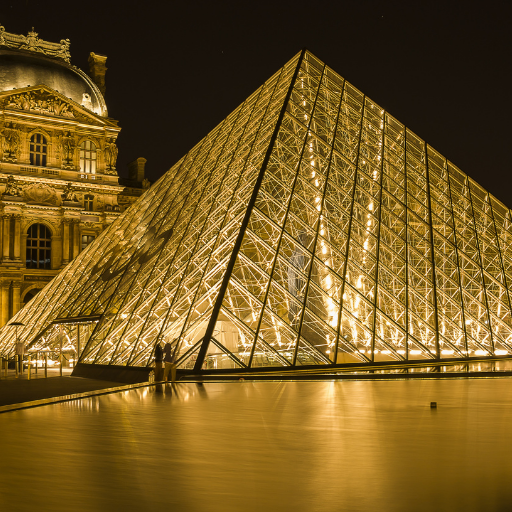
(298, 446)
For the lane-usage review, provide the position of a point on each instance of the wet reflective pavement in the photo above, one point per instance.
(265, 446)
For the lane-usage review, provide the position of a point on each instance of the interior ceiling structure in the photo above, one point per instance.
(310, 227)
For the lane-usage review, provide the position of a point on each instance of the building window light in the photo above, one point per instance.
(39, 247)
(88, 157)
(38, 150)
(86, 240)
(88, 202)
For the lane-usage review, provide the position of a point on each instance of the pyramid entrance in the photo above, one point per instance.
(309, 229)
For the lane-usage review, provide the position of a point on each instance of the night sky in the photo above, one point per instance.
(177, 69)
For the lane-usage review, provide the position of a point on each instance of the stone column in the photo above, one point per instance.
(56, 251)
(17, 237)
(5, 302)
(23, 246)
(76, 239)
(65, 242)
(16, 297)
(5, 238)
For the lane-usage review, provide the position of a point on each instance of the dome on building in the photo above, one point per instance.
(19, 69)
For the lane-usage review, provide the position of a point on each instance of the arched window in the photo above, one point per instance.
(39, 247)
(88, 157)
(30, 295)
(38, 150)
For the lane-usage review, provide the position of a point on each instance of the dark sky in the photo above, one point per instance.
(176, 69)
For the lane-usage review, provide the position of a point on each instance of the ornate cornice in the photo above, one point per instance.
(32, 43)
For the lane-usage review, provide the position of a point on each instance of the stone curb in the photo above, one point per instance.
(74, 396)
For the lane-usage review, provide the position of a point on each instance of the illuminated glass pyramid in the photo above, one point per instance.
(309, 228)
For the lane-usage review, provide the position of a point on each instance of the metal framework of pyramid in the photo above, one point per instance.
(309, 228)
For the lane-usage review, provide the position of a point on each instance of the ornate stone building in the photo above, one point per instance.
(59, 187)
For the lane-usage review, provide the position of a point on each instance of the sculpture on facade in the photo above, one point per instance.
(69, 194)
(41, 102)
(12, 188)
(11, 143)
(111, 156)
(67, 147)
(33, 43)
(64, 49)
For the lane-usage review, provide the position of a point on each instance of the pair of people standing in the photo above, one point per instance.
(166, 356)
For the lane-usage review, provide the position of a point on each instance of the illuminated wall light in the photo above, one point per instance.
(401, 352)
(415, 352)
(447, 352)
(501, 352)
(480, 352)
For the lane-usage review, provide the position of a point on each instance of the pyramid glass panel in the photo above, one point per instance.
(309, 229)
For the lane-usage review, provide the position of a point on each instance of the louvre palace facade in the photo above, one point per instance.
(59, 187)
(309, 230)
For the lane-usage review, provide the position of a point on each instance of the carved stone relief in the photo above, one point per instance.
(69, 194)
(40, 193)
(33, 43)
(12, 188)
(41, 102)
(100, 203)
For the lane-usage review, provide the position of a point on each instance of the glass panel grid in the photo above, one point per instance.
(362, 244)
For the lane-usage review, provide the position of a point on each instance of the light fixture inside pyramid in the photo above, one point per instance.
(309, 228)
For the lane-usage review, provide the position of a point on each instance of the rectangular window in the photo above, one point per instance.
(88, 157)
(38, 150)
(86, 240)
(88, 203)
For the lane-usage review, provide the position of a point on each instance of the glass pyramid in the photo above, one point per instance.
(309, 228)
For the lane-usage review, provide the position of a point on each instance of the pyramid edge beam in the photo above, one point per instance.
(245, 222)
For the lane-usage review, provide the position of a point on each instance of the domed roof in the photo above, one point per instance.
(20, 68)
